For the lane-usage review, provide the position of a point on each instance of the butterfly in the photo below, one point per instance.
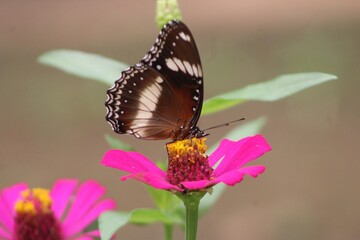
(161, 96)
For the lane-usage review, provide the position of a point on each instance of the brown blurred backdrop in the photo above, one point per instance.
(52, 124)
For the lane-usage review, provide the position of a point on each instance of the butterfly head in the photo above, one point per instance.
(198, 133)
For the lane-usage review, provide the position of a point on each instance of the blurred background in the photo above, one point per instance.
(52, 124)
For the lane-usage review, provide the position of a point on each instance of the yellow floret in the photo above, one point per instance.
(38, 197)
(186, 146)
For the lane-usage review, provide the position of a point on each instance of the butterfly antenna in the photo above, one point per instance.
(224, 124)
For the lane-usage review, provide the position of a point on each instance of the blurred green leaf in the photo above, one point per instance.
(148, 216)
(83, 64)
(164, 200)
(111, 221)
(117, 144)
(272, 90)
(248, 128)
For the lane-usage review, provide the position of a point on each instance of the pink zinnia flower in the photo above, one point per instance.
(57, 214)
(189, 168)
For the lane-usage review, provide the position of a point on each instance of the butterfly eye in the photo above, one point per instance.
(161, 96)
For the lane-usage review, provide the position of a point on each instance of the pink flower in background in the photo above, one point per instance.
(64, 212)
(189, 168)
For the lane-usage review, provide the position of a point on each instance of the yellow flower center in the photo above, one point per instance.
(187, 146)
(34, 218)
(34, 201)
(188, 161)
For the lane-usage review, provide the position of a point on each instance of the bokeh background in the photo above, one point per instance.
(52, 124)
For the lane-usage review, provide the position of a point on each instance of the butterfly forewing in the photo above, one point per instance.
(161, 96)
(175, 54)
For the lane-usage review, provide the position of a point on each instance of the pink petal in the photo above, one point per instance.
(91, 215)
(131, 162)
(140, 167)
(87, 195)
(233, 177)
(224, 147)
(61, 193)
(152, 179)
(8, 198)
(195, 185)
(238, 153)
(4, 234)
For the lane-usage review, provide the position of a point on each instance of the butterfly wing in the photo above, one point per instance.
(161, 96)
(175, 54)
(141, 104)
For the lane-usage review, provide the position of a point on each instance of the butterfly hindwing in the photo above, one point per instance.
(161, 96)
(140, 104)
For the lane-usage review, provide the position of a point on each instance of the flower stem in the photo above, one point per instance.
(168, 231)
(191, 202)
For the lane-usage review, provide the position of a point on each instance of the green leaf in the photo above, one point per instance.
(117, 144)
(148, 216)
(164, 200)
(83, 64)
(111, 221)
(272, 90)
(248, 128)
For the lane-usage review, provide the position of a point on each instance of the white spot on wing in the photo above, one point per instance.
(146, 57)
(199, 70)
(188, 68)
(184, 36)
(195, 70)
(171, 64)
(159, 80)
(180, 64)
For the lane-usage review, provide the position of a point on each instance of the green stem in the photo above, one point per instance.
(192, 215)
(191, 202)
(168, 231)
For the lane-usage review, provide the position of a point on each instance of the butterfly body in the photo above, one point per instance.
(161, 96)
